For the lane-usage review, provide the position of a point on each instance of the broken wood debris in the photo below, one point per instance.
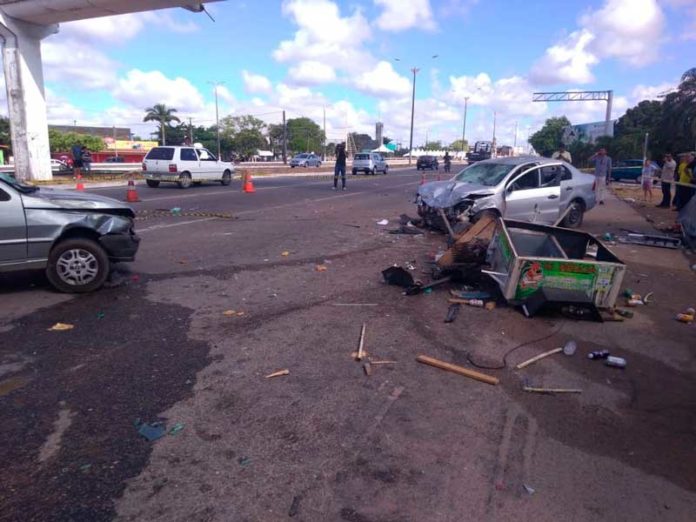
(460, 370)
(361, 344)
(533, 389)
(279, 373)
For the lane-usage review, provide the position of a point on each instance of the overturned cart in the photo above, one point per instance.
(537, 265)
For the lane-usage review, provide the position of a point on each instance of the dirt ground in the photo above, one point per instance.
(327, 442)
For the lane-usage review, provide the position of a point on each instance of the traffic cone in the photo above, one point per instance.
(80, 186)
(132, 194)
(249, 184)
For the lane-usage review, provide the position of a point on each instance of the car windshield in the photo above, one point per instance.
(17, 185)
(488, 174)
(301, 156)
(362, 157)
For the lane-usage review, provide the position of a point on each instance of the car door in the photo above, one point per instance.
(567, 186)
(527, 199)
(189, 162)
(379, 164)
(13, 226)
(208, 165)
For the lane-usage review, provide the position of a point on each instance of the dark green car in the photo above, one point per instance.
(627, 170)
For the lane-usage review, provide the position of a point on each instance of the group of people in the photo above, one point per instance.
(667, 171)
(82, 158)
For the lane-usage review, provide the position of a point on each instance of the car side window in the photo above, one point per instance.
(550, 176)
(205, 155)
(566, 175)
(529, 181)
(4, 196)
(188, 155)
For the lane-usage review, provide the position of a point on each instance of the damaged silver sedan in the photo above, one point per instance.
(523, 188)
(72, 235)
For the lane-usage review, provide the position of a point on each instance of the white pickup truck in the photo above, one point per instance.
(184, 165)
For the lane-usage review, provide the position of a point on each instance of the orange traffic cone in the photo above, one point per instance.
(132, 194)
(80, 186)
(249, 184)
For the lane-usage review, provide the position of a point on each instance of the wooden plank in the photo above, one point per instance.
(482, 231)
(460, 370)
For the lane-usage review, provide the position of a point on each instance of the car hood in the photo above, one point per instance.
(51, 199)
(446, 194)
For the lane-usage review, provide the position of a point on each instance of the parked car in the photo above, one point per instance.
(427, 162)
(369, 163)
(184, 165)
(305, 160)
(58, 165)
(481, 151)
(627, 170)
(524, 188)
(73, 236)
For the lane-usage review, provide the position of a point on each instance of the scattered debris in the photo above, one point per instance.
(361, 344)
(101, 315)
(409, 231)
(648, 297)
(352, 226)
(419, 288)
(61, 327)
(383, 222)
(285, 253)
(176, 211)
(598, 354)
(616, 362)
(395, 275)
(460, 370)
(321, 268)
(367, 368)
(479, 303)
(151, 432)
(279, 373)
(354, 304)
(471, 294)
(532, 389)
(687, 316)
(176, 428)
(471, 246)
(233, 313)
(530, 490)
(383, 362)
(650, 240)
(568, 349)
(244, 461)
(452, 312)
(624, 313)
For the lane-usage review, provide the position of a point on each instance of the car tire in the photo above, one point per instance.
(184, 180)
(575, 215)
(152, 183)
(318, 164)
(226, 178)
(292, 166)
(386, 169)
(354, 172)
(374, 171)
(77, 266)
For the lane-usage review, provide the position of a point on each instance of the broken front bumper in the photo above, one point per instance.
(121, 247)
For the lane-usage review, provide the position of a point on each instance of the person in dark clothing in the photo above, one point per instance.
(666, 175)
(340, 167)
(77, 159)
(448, 162)
(685, 170)
(87, 160)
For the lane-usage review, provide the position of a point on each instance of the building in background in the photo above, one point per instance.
(379, 130)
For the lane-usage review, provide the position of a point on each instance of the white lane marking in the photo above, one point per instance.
(263, 209)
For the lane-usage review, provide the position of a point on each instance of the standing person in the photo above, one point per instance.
(340, 167)
(686, 169)
(448, 161)
(667, 175)
(647, 179)
(562, 154)
(77, 160)
(86, 160)
(602, 173)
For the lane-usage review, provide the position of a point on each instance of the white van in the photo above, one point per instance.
(369, 163)
(184, 165)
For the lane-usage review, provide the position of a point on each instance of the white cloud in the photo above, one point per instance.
(141, 88)
(77, 65)
(627, 30)
(383, 80)
(256, 83)
(399, 15)
(651, 92)
(310, 72)
(567, 62)
(512, 95)
(448, 8)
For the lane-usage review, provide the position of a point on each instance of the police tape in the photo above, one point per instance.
(141, 215)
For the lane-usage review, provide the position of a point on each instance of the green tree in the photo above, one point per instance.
(64, 141)
(163, 115)
(275, 138)
(245, 134)
(546, 140)
(363, 141)
(456, 145)
(433, 145)
(304, 135)
(5, 134)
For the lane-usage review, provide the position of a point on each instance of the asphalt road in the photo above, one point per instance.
(236, 286)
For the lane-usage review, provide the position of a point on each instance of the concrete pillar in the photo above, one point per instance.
(21, 53)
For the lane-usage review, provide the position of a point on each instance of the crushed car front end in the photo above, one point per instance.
(459, 201)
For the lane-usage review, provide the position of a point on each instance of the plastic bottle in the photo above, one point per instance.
(616, 362)
(598, 354)
(476, 302)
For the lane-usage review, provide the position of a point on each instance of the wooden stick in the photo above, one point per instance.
(361, 354)
(383, 362)
(551, 390)
(446, 222)
(536, 358)
(457, 369)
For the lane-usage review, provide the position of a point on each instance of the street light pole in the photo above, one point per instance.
(466, 105)
(495, 149)
(217, 115)
(414, 70)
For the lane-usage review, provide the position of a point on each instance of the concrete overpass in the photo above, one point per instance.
(23, 24)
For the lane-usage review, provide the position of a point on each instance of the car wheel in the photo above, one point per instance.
(318, 164)
(292, 166)
(575, 215)
(374, 171)
(386, 169)
(152, 183)
(184, 180)
(226, 178)
(355, 172)
(77, 266)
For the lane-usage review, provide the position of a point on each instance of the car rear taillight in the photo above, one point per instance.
(172, 167)
(144, 167)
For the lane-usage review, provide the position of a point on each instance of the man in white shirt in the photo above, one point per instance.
(667, 175)
(562, 154)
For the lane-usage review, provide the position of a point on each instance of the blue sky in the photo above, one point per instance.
(311, 56)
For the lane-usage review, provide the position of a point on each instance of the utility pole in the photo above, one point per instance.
(466, 105)
(495, 148)
(323, 141)
(285, 141)
(190, 131)
(413, 107)
(215, 85)
(515, 141)
(113, 135)
(645, 146)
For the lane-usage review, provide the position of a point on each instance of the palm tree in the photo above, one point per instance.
(163, 115)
